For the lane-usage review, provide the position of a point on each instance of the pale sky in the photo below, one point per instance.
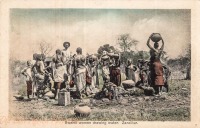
(92, 28)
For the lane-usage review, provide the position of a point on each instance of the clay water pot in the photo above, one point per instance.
(116, 56)
(82, 110)
(156, 37)
(105, 57)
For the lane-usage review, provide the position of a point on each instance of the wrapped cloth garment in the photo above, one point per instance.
(88, 75)
(66, 54)
(157, 73)
(92, 73)
(29, 87)
(90, 87)
(67, 61)
(80, 78)
(130, 72)
(59, 74)
(38, 82)
(105, 73)
(115, 75)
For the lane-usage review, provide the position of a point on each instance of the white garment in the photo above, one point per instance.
(66, 54)
(59, 73)
(105, 71)
(80, 78)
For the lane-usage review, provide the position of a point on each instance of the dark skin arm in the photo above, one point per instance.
(24, 72)
(152, 48)
(148, 43)
(162, 47)
(41, 67)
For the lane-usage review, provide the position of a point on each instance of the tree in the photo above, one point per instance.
(182, 63)
(45, 48)
(16, 67)
(106, 47)
(126, 42)
(127, 55)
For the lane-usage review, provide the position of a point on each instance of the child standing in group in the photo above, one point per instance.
(27, 73)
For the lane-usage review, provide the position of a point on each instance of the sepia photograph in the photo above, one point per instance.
(90, 64)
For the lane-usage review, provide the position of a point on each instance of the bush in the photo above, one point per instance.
(17, 80)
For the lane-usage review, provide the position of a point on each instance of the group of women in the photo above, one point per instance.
(81, 71)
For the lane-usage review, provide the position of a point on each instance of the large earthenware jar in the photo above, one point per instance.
(156, 37)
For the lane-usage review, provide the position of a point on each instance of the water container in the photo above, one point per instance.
(156, 37)
(63, 98)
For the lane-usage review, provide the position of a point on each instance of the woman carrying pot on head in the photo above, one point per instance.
(104, 60)
(156, 69)
(115, 73)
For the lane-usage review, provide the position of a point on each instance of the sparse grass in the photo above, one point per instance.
(158, 110)
(176, 107)
(176, 86)
(23, 90)
(178, 114)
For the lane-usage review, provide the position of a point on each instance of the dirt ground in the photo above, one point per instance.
(171, 106)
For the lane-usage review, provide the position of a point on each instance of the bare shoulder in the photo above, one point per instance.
(40, 63)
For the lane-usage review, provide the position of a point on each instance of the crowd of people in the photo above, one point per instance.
(65, 71)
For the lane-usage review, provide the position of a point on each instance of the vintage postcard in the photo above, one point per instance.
(99, 63)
